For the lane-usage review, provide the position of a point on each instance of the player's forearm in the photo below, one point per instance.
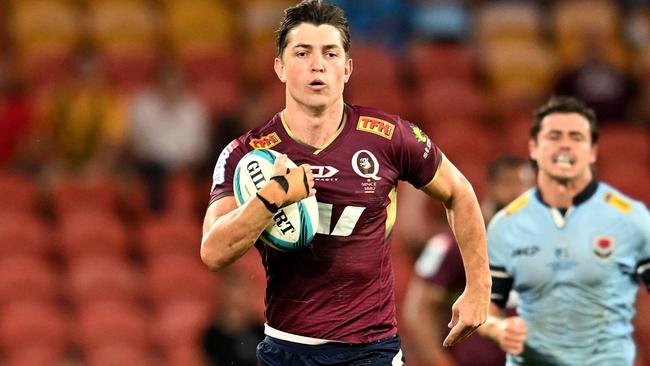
(233, 234)
(464, 215)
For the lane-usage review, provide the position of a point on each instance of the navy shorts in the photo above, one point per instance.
(275, 352)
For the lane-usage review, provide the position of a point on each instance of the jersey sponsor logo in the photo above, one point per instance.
(265, 142)
(516, 205)
(526, 251)
(618, 202)
(345, 223)
(218, 177)
(377, 126)
(324, 173)
(421, 137)
(603, 246)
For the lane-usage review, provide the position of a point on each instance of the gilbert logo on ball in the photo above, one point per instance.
(294, 225)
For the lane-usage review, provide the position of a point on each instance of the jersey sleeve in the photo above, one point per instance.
(642, 221)
(224, 170)
(417, 156)
(440, 263)
(497, 255)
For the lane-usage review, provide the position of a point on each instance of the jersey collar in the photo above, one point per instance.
(578, 199)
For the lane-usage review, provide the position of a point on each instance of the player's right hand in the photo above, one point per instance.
(512, 334)
(288, 185)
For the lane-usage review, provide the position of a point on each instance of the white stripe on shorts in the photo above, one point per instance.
(397, 360)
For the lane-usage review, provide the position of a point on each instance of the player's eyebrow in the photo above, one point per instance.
(310, 47)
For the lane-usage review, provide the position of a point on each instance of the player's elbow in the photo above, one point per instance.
(213, 259)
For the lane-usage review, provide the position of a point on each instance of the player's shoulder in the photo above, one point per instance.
(377, 122)
(614, 200)
(515, 208)
(265, 136)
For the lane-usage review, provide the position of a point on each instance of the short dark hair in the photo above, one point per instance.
(503, 162)
(315, 12)
(565, 104)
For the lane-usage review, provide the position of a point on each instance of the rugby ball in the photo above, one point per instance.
(293, 226)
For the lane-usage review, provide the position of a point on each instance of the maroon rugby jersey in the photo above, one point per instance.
(341, 288)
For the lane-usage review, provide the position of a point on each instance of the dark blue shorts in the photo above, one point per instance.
(275, 352)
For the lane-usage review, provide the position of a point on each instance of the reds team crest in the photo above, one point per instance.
(603, 246)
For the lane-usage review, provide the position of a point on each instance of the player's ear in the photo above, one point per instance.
(278, 66)
(594, 154)
(348, 69)
(532, 149)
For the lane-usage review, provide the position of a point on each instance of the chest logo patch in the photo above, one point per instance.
(377, 126)
(366, 165)
(265, 142)
(603, 246)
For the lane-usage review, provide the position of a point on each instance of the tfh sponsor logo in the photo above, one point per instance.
(377, 126)
(265, 142)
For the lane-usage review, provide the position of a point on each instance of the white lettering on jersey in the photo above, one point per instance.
(218, 177)
(344, 225)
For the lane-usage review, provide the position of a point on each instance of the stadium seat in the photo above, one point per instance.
(449, 100)
(33, 325)
(28, 278)
(78, 194)
(180, 323)
(169, 234)
(91, 234)
(17, 193)
(573, 17)
(176, 277)
(198, 25)
(432, 62)
(110, 323)
(623, 141)
(44, 355)
(187, 355)
(499, 21)
(120, 355)
(23, 233)
(92, 279)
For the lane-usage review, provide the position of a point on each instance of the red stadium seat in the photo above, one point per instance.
(170, 235)
(188, 355)
(92, 234)
(27, 278)
(176, 277)
(74, 194)
(120, 355)
(449, 100)
(23, 233)
(33, 325)
(17, 194)
(45, 355)
(180, 323)
(93, 279)
(104, 324)
(432, 62)
(624, 142)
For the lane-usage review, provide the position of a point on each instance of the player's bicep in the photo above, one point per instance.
(447, 183)
(217, 209)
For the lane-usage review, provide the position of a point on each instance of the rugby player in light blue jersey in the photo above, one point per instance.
(574, 248)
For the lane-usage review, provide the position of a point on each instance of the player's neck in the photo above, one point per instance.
(314, 127)
(560, 193)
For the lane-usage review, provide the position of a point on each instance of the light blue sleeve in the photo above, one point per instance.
(497, 246)
(641, 219)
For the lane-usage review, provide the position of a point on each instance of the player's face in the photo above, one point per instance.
(564, 150)
(314, 66)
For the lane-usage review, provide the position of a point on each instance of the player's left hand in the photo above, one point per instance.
(467, 314)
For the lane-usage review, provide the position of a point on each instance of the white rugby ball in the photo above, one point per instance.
(293, 226)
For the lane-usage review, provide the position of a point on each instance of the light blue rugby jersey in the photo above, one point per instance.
(577, 275)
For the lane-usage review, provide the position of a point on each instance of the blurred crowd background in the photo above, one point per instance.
(113, 112)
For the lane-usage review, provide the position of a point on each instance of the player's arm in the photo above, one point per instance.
(230, 231)
(422, 308)
(509, 333)
(466, 222)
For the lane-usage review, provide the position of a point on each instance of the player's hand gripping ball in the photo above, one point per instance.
(294, 225)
